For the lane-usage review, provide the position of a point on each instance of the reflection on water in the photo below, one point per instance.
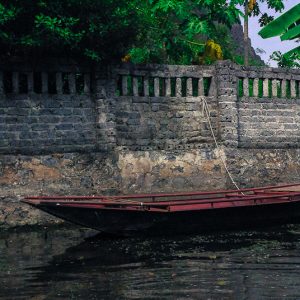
(70, 264)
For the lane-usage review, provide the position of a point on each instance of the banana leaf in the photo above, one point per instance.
(291, 33)
(293, 51)
(280, 25)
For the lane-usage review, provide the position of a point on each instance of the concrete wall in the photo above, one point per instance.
(265, 124)
(268, 108)
(46, 109)
(90, 130)
(161, 107)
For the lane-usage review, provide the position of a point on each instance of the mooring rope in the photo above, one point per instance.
(207, 112)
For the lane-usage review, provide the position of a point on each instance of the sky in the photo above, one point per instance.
(272, 44)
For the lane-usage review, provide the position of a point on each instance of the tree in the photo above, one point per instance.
(162, 31)
(252, 8)
(97, 29)
(186, 32)
(287, 26)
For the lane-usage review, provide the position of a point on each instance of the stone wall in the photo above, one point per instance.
(101, 173)
(48, 109)
(161, 107)
(268, 108)
(65, 108)
(269, 125)
(90, 130)
(44, 124)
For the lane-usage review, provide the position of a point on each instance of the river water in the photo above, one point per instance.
(73, 263)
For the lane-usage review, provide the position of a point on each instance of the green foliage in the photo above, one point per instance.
(286, 61)
(281, 24)
(139, 55)
(264, 19)
(61, 28)
(178, 30)
(101, 30)
(239, 59)
(292, 33)
(287, 27)
(7, 14)
(276, 4)
(156, 31)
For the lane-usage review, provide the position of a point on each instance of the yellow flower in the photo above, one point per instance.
(213, 51)
(251, 4)
(126, 58)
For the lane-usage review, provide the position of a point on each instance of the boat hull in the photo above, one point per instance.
(143, 222)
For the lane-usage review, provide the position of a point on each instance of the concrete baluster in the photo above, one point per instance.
(246, 87)
(1, 83)
(124, 85)
(168, 87)
(44, 83)
(213, 87)
(135, 86)
(146, 86)
(178, 91)
(283, 88)
(255, 87)
(72, 83)
(189, 87)
(15, 83)
(266, 87)
(59, 83)
(274, 87)
(156, 87)
(293, 89)
(30, 83)
(200, 87)
(87, 83)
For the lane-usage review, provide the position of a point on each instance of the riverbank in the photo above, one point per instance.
(138, 172)
(142, 128)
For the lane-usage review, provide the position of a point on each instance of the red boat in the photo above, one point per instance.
(177, 213)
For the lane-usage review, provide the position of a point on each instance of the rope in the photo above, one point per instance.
(207, 112)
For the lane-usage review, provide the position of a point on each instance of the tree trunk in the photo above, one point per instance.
(246, 35)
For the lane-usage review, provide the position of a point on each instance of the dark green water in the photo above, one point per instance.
(70, 264)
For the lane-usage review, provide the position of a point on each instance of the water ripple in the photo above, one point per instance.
(66, 264)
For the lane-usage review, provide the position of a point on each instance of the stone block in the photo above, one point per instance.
(59, 111)
(133, 122)
(39, 126)
(64, 126)
(50, 119)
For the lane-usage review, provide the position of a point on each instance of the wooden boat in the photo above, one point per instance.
(177, 213)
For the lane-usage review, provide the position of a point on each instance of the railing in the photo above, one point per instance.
(47, 79)
(165, 81)
(269, 83)
(161, 107)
